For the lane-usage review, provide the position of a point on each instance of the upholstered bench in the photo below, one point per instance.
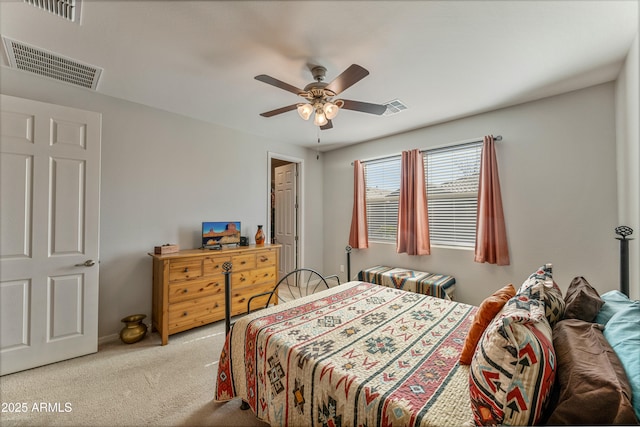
(437, 285)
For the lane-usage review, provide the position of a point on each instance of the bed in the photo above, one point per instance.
(360, 354)
(354, 355)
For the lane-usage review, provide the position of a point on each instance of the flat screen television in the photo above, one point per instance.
(217, 233)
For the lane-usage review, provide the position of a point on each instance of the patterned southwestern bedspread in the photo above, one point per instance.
(354, 355)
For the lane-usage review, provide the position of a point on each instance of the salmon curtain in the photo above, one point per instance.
(491, 234)
(413, 219)
(358, 237)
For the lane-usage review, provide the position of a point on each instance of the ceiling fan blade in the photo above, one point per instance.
(279, 110)
(329, 125)
(277, 83)
(348, 78)
(364, 107)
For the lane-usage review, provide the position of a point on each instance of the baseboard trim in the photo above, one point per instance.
(108, 339)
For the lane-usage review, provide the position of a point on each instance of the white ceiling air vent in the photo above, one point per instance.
(394, 107)
(38, 61)
(67, 9)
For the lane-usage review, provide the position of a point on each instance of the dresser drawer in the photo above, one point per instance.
(240, 297)
(266, 258)
(253, 277)
(195, 312)
(243, 262)
(181, 291)
(185, 269)
(213, 265)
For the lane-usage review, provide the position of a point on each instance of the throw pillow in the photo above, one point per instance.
(513, 368)
(540, 286)
(623, 333)
(485, 314)
(614, 301)
(582, 300)
(591, 385)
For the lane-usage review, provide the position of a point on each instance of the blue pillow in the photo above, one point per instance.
(623, 333)
(614, 301)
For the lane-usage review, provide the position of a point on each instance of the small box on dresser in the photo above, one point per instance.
(166, 249)
(188, 286)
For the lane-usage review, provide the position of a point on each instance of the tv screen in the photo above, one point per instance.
(220, 233)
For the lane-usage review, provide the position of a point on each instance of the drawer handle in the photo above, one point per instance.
(216, 306)
(266, 275)
(186, 269)
(216, 267)
(185, 314)
(264, 259)
(242, 279)
(241, 300)
(243, 262)
(184, 291)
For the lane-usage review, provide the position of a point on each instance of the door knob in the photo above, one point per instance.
(87, 263)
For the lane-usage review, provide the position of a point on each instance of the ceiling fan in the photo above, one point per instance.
(319, 96)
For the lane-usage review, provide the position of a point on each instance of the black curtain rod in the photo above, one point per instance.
(495, 138)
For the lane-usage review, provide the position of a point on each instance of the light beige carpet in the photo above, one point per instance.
(141, 384)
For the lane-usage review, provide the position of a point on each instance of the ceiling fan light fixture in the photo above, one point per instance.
(320, 119)
(330, 110)
(305, 110)
(319, 96)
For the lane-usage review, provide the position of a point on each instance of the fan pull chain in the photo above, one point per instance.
(318, 146)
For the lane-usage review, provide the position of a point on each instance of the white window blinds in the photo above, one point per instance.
(382, 179)
(451, 175)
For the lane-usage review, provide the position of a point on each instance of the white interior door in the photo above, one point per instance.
(286, 216)
(49, 220)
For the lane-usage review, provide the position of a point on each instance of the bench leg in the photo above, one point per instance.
(244, 406)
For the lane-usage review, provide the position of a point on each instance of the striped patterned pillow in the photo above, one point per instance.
(513, 369)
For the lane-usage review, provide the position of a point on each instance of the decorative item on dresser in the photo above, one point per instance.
(188, 286)
(259, 236)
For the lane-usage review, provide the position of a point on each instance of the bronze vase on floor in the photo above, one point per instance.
(134, 330)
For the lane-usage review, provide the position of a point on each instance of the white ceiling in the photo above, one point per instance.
(443, 59)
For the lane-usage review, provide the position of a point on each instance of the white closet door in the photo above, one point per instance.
(286, 217)
(49, 223)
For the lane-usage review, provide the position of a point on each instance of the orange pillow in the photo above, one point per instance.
(485, 314)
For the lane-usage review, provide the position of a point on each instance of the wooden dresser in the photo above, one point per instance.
(188, 286)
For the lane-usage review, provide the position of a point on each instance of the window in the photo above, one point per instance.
(382, 178)
(452, 175)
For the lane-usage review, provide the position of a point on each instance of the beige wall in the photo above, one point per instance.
(628, 159)
(558, 175)
(162, 175)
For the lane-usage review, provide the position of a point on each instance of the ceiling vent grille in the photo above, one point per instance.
(67, 9)
(394, 107)
(38, 61)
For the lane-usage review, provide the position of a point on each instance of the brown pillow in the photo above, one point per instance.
(591, 385)
(485, 314)
(582, 300)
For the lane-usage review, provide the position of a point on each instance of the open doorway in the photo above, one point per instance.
(285, 210)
